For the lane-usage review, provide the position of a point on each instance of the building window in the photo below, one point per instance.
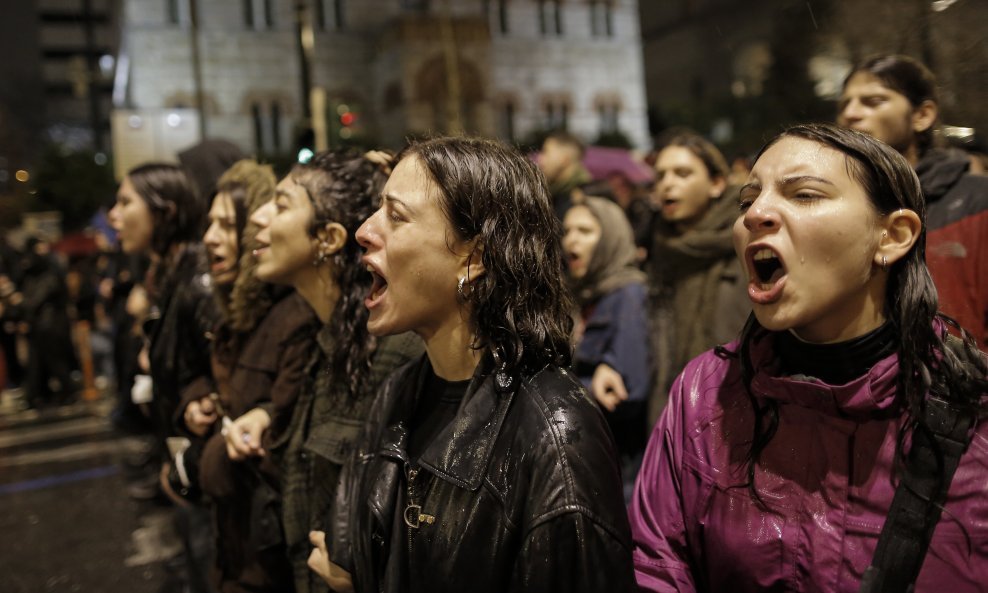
(506, 120)
(550, 17)
(255, 111)
(276, 127)
(258, 14)
(178, 12)
(601, 18)
(556, 114)
(329, 15)
(608, 113)
(502, 14)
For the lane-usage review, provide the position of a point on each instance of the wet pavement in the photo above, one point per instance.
(66, 521)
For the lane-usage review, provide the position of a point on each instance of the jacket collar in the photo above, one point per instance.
(461, 451)
(872, 393)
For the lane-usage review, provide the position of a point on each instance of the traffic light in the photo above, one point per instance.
(348, 119)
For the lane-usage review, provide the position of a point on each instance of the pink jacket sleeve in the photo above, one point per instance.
(658, 528)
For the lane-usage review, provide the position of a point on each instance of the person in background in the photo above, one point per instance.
(894, 99)
(306, 240)
(43, 308)
(697, 289)
(561, 161)
(484, 466)
(774, 466)
(261, 346)
(613, 350)
(635, 204)
(158, 213)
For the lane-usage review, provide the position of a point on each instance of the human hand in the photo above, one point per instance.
(243, 435)
(607, 387)
(338, 579)
(200, 415)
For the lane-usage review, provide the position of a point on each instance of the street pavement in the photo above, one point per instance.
(66, 521)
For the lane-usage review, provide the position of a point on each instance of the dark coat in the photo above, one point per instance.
(522, 488)
(266, 370)
(312, 449)
(183, 316)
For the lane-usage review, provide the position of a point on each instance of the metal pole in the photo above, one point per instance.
(453, 113)
(197, 66)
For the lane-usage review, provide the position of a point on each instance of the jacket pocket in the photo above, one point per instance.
(334, 439)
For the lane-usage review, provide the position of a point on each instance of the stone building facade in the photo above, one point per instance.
(519, 66)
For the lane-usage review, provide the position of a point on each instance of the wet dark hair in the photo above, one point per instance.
(494, 195)
(702, 149)
(176, 211)
(345, 187)
(906, 76)
(926, 363)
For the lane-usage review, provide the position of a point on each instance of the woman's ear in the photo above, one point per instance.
(924, 116)
(330, 239)
(473, 263)
(717, 186)
(900, 232)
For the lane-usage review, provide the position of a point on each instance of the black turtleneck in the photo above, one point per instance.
(837, 363)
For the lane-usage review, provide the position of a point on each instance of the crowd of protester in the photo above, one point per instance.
(458, 368)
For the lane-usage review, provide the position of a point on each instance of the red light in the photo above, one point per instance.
(347, 118)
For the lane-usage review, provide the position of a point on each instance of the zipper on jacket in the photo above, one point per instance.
(414, 517)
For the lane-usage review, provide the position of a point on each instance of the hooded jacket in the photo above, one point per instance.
(957, 237)
(614, 325)
(824, 476)
(522, 487)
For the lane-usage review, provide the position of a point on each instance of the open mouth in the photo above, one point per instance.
(768, 276)
(379, 286)
(218, 263)
(768, 267)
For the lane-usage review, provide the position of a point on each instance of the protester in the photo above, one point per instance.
(775, 463)
(697, 287)
(42, 307)
(561, 161)
(484, 465)
(894, 98)
(613, 354)
(260, 348)
(157, 212)
(306, 241)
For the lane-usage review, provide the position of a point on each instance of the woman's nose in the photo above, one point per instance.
(761, 215)
(366, 234)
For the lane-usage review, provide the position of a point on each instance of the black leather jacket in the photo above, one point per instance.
(520, 492)
(179, 333)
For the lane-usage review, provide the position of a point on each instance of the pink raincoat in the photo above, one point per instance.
(824, 476)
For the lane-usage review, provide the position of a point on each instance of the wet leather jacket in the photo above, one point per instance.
(520, 492)
(824, 476)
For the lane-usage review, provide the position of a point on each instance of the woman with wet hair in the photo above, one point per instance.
(776, 462)
(306, 241)
(697, 298)
(260, 346)
(613, 354)
(484, 466)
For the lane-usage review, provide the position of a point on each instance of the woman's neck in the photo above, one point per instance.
(450, 350)
(318, 287)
